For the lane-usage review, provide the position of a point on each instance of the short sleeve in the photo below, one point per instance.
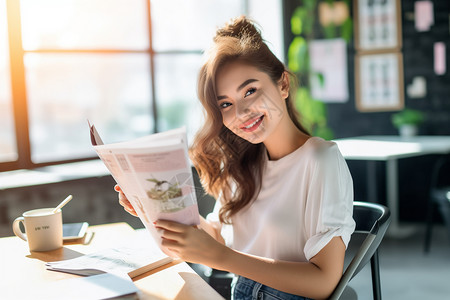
(329, 206)
(225, 230)
(213, 217)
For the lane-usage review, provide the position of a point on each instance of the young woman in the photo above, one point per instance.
(283, 216)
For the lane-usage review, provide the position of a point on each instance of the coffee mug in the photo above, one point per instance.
(43, 229)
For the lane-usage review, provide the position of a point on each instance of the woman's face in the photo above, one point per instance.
(252, 106)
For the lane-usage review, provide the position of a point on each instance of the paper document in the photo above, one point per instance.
(120, 261)
(155, 175)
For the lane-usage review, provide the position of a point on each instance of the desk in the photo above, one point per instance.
(21, 270)
(390, 149)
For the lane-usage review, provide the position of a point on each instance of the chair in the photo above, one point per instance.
(439, 197)
(372, 220)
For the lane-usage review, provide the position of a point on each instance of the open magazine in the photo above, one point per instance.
(155, 175)
(133, 261)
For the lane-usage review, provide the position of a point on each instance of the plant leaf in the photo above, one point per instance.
(297, 54)
(296, 21)
(347, 30)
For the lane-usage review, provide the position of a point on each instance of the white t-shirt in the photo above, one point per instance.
(306, 199)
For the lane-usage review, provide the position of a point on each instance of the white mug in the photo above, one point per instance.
(43, 229)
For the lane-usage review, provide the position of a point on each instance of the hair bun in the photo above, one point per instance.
(241, 28)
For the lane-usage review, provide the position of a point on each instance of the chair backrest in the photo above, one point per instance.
(373, 220)
(440, 175)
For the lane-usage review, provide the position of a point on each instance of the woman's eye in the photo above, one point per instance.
(249, 92)
(224, 105)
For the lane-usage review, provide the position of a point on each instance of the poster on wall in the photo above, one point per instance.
(328, 69)
(377, 25)
(423, 15)
(379, 82)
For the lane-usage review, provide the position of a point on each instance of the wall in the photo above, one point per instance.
(418, 61)
(346, 121)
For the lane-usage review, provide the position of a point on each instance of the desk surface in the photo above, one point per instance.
(385, 147)
(21, 270)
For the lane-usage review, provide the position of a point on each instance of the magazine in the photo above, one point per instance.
(133, 261)
(155, 175)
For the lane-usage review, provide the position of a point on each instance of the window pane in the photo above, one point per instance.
(8, 146)
(176, 92)
(268, 14)
(64, 90)
(189, 24)
(84, 24)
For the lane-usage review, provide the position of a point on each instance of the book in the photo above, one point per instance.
(123, 260)
(155, 174)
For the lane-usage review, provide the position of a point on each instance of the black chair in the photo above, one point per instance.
(439, 197)
(372, 221)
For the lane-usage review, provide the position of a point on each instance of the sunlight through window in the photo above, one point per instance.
(113, 91)
(84, 24)
(97, 59)
(8, 148)
(192, 24)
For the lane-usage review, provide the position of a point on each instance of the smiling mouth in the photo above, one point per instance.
(252, 124)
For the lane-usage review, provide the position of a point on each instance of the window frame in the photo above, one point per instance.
(19, 87)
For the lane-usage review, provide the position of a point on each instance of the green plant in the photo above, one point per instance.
(305, 28)
(407, 117)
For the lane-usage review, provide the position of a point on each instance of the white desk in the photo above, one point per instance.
(390, 149)
(23, 272)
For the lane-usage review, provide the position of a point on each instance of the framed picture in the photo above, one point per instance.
(379, 82)
(377, 25)
(328, 65)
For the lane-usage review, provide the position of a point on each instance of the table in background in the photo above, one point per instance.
(390, 149)
(20, 269)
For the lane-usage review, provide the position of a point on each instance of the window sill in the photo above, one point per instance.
(52, 174)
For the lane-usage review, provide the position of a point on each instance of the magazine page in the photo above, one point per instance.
(155, 175)
(133, 261)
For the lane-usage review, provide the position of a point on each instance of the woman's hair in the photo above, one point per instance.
(231, 167)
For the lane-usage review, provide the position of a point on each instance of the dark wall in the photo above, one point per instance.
(418, 61)
(346, 121)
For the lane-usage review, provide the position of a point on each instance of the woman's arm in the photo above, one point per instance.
(314, 279)
(208, 227)
(204, 244)
(211, 229)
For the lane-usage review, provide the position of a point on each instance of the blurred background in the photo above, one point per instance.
(129, 67)
(365, 67)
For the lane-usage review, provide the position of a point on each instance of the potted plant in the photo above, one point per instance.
(407, 121)
(305, 28)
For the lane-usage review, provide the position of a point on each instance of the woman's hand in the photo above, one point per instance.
(124, 201)
(190, 243)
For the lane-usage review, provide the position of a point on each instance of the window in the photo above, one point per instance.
(129, 66)
(82, 62)
(179, 39)
(8, 149)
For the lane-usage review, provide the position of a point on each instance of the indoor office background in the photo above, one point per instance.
(130, 67)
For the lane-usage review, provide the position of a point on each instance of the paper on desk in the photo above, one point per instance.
(121, 261)
(103, 286)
